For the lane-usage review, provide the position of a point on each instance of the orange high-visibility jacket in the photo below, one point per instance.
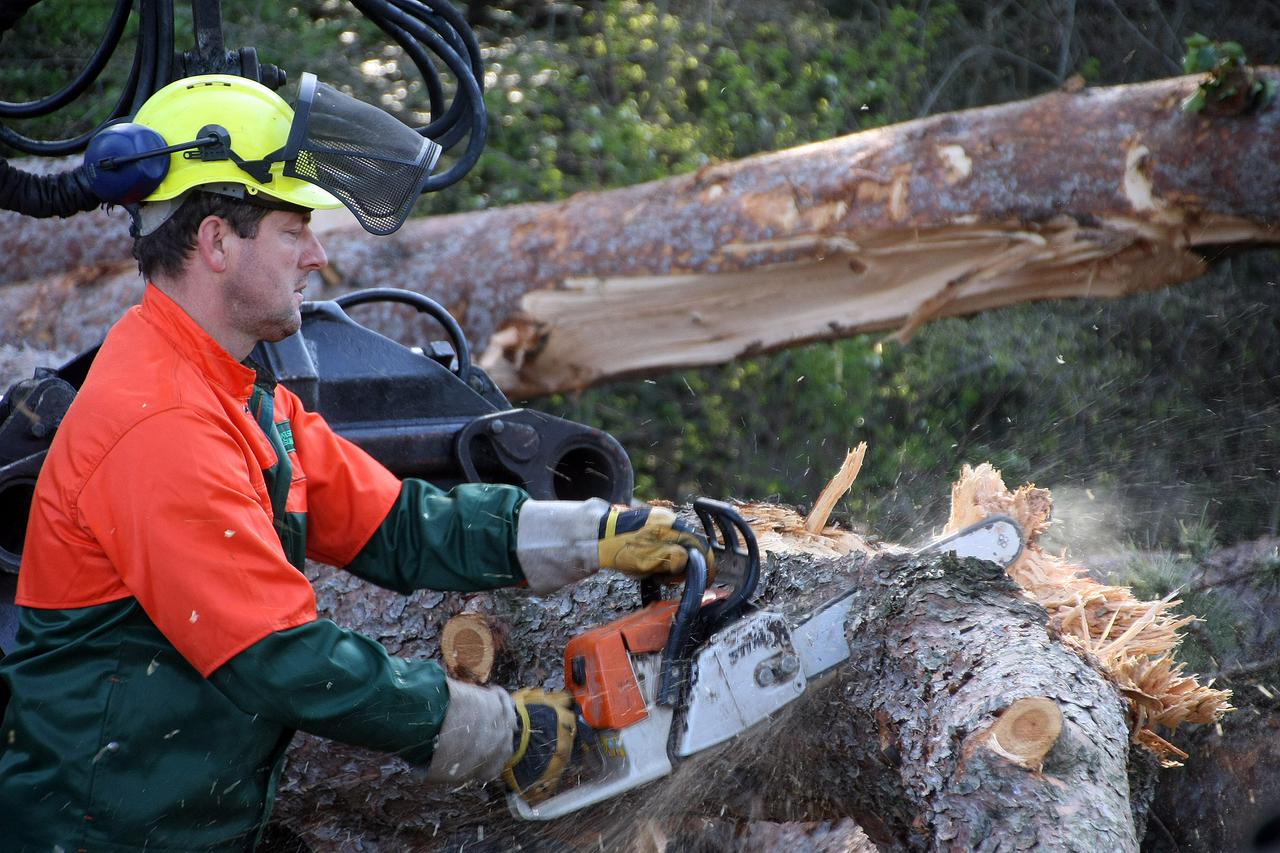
(168, 643)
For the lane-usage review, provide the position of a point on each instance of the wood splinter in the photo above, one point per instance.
(468, 644)
(1026, 731)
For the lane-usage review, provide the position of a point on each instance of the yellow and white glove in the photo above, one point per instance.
(560, 542)
(649, 541)
(543, 744)
(525, 738)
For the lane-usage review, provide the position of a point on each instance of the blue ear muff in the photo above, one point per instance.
(133, 180)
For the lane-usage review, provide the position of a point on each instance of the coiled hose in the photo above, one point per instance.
(420, 27)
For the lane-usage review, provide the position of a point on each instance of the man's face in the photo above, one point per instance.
(264, 295)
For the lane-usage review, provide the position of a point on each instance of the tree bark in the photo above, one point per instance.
(899, 738)
(1098, 193)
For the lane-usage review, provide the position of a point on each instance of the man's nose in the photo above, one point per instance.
(313, 255)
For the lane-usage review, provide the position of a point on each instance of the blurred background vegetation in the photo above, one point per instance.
(1145, 415)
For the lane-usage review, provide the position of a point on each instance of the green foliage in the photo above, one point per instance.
(1198, 538)
(1204, 55)
(1231, 84)
(637, 91)
(1266, 576)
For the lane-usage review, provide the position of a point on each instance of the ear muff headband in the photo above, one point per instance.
(127, 162)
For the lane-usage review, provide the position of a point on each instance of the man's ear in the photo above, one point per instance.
(213, 243)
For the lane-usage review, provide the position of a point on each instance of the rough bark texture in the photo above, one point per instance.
(1102, 192)
(896, 738)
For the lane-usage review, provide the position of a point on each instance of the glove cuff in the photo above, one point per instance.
(475, 740)
(557, 542)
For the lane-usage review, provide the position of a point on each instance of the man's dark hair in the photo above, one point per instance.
(165, 250)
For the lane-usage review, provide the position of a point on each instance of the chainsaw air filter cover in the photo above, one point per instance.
(372, 162)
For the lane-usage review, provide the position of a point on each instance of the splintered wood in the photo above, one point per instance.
(1133, 641)
(782, 529)
(816, 521)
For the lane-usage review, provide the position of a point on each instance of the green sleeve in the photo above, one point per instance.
(341, 685)
(463, 540)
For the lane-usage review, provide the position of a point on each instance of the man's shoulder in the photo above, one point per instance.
(136, 377)
(137, 373)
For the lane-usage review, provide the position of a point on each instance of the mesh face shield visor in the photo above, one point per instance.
(369, 160)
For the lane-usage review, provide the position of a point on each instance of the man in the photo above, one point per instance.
(169, 645)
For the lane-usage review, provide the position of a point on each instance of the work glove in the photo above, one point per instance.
(648, 542)
(560, 542)
(544, 742)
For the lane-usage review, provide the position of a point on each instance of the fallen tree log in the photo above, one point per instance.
(1097, 193)
(961, 720)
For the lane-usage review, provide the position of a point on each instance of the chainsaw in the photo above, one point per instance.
(684, 674)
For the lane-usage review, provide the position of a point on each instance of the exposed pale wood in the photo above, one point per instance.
(1095, 193)
(816, 520)
(468, 644)
(1027, 730)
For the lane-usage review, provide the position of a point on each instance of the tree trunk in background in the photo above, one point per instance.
(1102, 192)
(898, 738)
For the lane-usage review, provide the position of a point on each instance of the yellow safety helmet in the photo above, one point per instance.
(233, 136)
(257, 122)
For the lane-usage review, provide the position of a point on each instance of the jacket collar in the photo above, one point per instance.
(195, 344)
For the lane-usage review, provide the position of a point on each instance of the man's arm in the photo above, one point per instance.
(477, 536)
(400, 535)
(177, 512)
(339, 684)
(464, 539)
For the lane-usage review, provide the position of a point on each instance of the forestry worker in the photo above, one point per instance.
(168, 645)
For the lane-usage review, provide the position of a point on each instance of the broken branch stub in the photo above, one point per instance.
(1027, 730)
(468, 644)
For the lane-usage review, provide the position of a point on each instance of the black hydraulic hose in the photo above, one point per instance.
(410, 45)
(61, 147)
(447, 26)
(446, 21)
(164, 29)
(43, 196)
(468, 86)
(411, 29)
(457, 24)
(97, 62)
(148, 31)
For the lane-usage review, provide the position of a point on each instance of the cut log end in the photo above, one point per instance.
(1027, 730)
(468, 644)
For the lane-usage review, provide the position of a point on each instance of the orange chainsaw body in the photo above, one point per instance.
(597, 663)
